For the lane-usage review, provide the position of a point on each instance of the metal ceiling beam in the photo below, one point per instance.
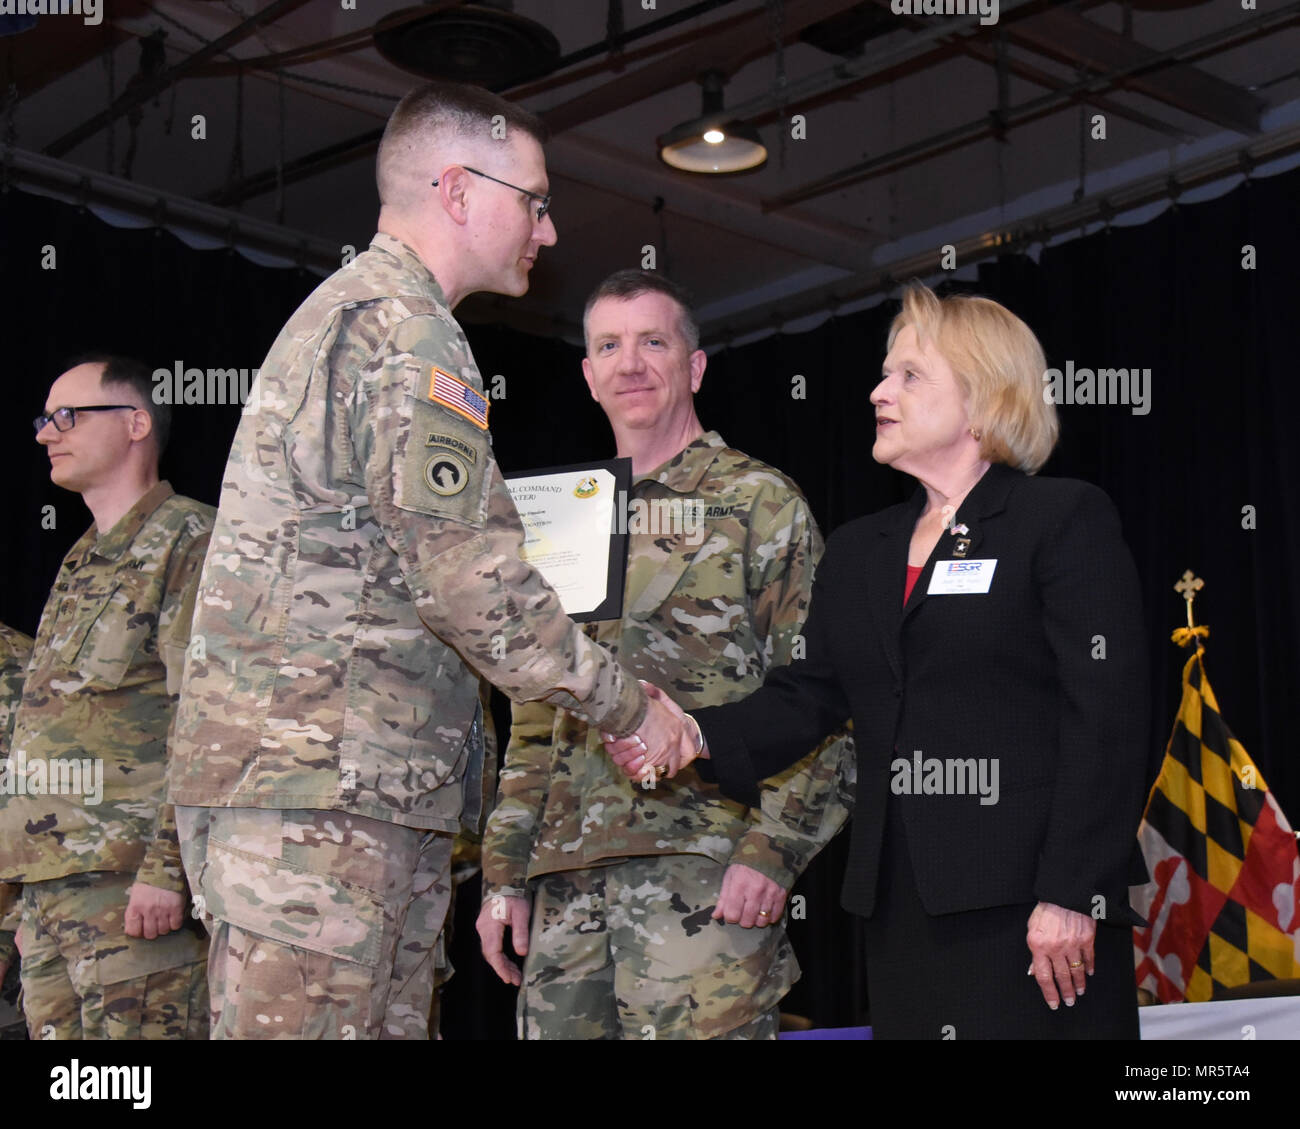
(610, 43)
(33, 59)
(724, 206)
(747, 40)
(917, 48)
(933, 44)
(358, 40)
(977, 49)
(324, 49)
(1016, 115)
(138, 95)
(1068, 37)
(65, 181)
(319, 160)
(920, 48)
(362, 145)
(566, 73)
(1098, 208)
(575, 159)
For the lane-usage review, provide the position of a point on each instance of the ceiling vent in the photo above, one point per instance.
(486, 44)
(848, 33)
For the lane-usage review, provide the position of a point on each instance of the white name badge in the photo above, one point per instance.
(961, 578)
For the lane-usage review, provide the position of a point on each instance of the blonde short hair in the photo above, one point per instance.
(999, 367)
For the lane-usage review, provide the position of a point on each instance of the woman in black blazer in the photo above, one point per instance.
(986, 639)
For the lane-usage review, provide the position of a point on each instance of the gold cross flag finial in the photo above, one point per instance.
(1187, 587)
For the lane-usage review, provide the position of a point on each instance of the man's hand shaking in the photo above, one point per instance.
(662, 747)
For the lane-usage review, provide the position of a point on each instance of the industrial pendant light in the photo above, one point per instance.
(712, 144)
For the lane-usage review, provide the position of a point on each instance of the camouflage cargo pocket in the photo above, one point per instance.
(737, 991)
(86, 912)
(143, 957)
(285, 903)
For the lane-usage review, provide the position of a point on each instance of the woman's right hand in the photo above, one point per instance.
(645, 766)
(1062, 942)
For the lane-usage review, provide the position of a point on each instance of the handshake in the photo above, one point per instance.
(667, 741)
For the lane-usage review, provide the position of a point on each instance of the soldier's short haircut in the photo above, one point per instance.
(446, 108)
(624, 285)
(127, 372)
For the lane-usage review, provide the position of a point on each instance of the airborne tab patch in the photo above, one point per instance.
(459, 397)
(438, 440)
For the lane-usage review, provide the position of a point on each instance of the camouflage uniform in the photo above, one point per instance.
(626, 877)
(10, 915)
(100, 693)
(366, 549)
(84, 978)
(15, 649)
(465, 864)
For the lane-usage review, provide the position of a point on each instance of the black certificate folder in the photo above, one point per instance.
(575, 532)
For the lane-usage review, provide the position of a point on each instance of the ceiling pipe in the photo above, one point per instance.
(1015, 115)
(1100, 207)
(141, 93)
(62, 180)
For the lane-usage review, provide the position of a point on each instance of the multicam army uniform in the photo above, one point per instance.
(99, 698)
(626, 877)
(465, 863)
(15, 649)
(366, 549)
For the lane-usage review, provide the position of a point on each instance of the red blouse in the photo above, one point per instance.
(913, 575)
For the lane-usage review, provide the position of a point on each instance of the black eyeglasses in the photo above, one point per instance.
(544, 202)
(65, 419)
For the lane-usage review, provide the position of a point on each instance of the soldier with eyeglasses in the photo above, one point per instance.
(84, 826)
(365, 570)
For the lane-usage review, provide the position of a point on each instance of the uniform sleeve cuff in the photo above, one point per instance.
(490, 892)
(163, 874)
(628, 713)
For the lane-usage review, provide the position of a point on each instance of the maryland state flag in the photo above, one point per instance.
(1222, 904)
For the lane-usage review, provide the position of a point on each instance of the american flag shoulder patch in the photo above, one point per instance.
(459, 397)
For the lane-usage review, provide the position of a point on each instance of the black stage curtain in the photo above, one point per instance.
(1171, 295)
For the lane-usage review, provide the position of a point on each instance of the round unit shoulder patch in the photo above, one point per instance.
(445, 473)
